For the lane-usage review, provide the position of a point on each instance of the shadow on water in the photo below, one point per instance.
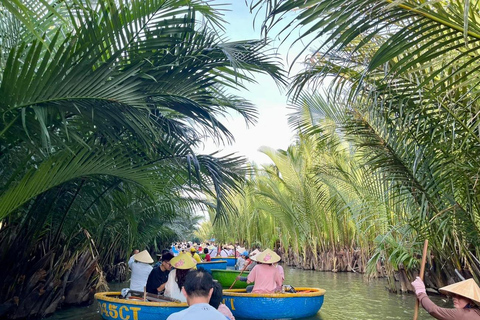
(348, 296)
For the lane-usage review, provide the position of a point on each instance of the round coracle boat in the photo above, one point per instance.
(231, 261)
(306, 302)
(209, 265)
(114, 306)
(227, 277)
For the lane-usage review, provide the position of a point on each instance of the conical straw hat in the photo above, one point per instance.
(254, 252)
(183, 261)
(267, 256)
(468, 289)
(143, 256)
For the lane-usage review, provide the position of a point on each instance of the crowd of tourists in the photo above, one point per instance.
(175, 276)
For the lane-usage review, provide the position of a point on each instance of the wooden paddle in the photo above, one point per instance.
(244, 268)
(422, 271)
(154, 297)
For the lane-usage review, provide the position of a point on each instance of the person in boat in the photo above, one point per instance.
(195, 255)
(197, 290)
(216, 301)
(131, 260)
(252, 261)
(266, 276)
(466, 298)
(212, 249)
(242, 261)
(207, 255)
(158, 277)
(141, 268)
(225, 252)
(183, 263)
(282, 274)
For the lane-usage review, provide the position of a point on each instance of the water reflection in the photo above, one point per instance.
(348, 296)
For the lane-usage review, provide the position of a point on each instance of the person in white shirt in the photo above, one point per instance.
(198, 289)
(182, 263)
(224, 253)
(140, 264)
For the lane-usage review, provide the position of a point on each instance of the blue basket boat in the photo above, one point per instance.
(113, 306)
(209, 265)
(306, 302)
(231, 261)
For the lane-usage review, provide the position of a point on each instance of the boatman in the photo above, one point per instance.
(266, 276)
(198, 289)
(141, 268)
(466, 298)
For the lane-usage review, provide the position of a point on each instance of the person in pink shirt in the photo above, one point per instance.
(265, 275)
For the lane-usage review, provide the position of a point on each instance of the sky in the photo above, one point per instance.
(272, 128)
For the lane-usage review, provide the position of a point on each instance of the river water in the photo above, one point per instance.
(348, 296)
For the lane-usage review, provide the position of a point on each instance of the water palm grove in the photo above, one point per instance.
(104, 103)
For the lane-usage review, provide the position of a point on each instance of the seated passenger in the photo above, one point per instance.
(216, 301)
(159, 276)
(182, 263)
(207, 255)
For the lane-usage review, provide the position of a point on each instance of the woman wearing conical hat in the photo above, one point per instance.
(141, 268)
(466, 298)
(182, 263)
(266, 276)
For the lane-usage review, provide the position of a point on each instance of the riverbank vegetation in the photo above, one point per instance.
(103, 104)
(387, 155)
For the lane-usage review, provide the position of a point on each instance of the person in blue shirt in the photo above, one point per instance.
(198, 289)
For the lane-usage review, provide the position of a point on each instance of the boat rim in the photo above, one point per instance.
(105, 296)
(317, 292)
(231, 271)
(216, 261)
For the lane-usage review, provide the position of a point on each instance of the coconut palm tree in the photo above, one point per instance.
(406, 74)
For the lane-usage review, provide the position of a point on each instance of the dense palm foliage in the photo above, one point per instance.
(103, 104)
(404, 79)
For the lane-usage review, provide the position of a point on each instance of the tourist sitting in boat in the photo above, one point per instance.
(282, 273)
(266, 276)
(216, 301)
(158, 277)
(141, 268)
(195, 255)
(198, 289)
(182, 263)
(207, 255)
(251, 261)
(466, 297)
(242, 261)
(225, 252)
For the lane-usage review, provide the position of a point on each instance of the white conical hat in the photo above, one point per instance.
(143, 256)
(267, 256)
(467, 288)
(254, 252)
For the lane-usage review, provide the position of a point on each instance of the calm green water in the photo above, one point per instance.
(348, 296)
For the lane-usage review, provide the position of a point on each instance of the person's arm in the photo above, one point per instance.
(437, 312)
(162, 287)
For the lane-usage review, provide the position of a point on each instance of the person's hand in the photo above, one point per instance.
(418, 286)
(237, 278)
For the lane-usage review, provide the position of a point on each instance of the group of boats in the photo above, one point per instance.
(305, 302)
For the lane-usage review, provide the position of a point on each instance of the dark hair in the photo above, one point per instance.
(198, 283)
(205, 250)
(181, 275)
(217, 295)
(167, 256)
